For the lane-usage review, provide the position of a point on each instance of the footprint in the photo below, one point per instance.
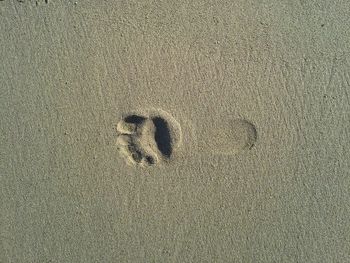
(228, 137)
(148, 138)
(152, 137)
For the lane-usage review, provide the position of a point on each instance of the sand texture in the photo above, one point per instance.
(174, 131)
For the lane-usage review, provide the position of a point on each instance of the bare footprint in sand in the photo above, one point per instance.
(228, 137)
(148, 138)
(153, 136)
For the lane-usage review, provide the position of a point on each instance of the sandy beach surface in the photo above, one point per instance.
(174, 131)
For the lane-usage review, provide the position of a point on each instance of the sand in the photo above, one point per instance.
(241, 153)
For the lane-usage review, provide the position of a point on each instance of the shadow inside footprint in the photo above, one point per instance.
(135, 119)
(162, 136)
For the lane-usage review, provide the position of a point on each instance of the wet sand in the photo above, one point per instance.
(240, 152)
